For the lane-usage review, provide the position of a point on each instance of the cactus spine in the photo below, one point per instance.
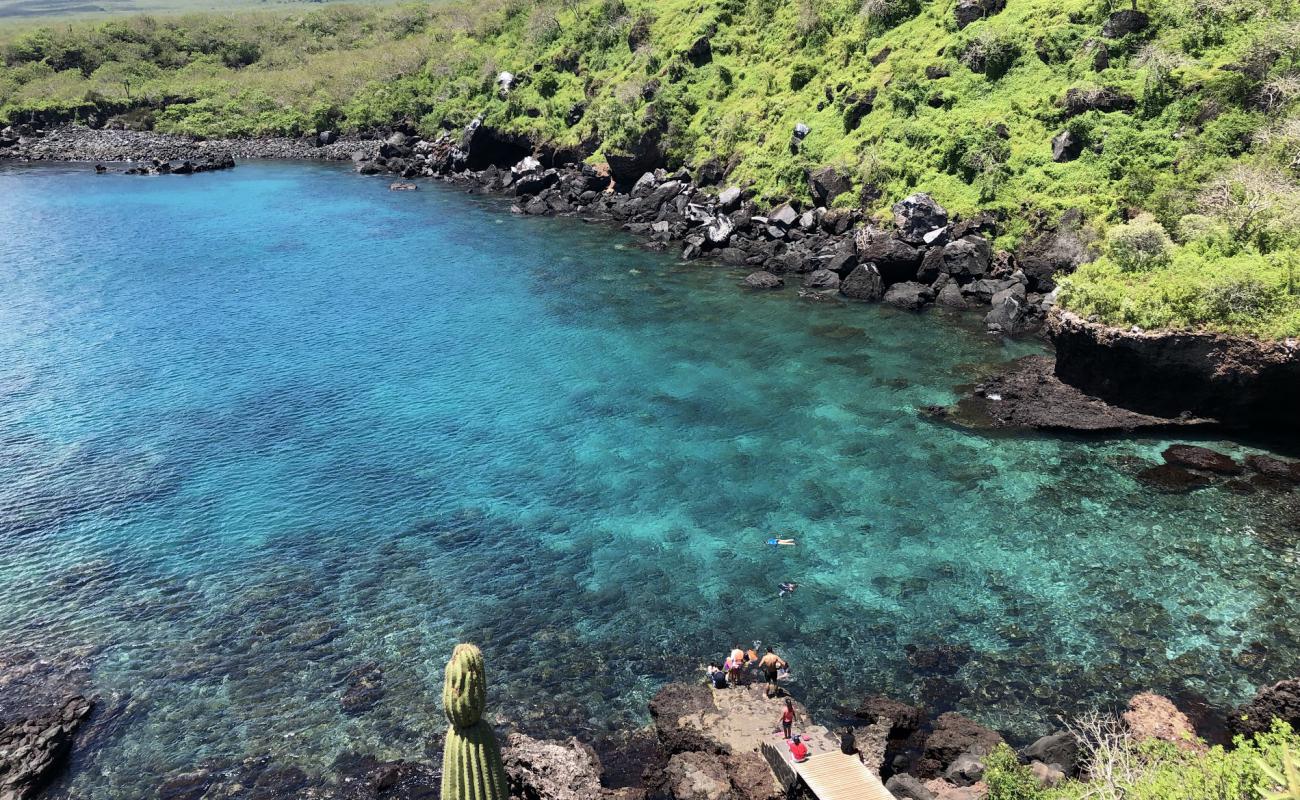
(471, 760)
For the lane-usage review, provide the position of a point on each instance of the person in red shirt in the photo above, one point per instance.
(787, 717)
(798, 749)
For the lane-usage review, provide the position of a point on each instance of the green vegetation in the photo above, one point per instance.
(1126, 769)
(1188, 129)
(471, 760)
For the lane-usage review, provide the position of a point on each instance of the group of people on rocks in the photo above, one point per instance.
(737, 669)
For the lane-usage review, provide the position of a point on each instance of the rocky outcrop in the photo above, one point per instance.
(1124, 22)
(682, 714)
(1029, 395)
(1151, 716)
(542, 770)
(764, 280)
(42, 706)
(1241, 382)
(694, 776)
(73, 143)
(908, 787)
(952, 736)
(1279, 701)
(968, 11)
(1060, 750)
(1056, 249)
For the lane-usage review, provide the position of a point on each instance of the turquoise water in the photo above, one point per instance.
(257, 427)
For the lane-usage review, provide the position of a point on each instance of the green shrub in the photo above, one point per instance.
(1008, 779)
(1141, 244)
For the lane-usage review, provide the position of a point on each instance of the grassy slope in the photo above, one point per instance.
(974, 141)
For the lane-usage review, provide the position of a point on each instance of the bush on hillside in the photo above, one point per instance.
(1140, 244)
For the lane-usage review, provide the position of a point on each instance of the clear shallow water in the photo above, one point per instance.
(257, 427)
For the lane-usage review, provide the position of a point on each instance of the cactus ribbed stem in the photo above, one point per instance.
(471, 760)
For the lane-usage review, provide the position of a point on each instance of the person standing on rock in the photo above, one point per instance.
(772, 665)
(736, 668)
(788, 718)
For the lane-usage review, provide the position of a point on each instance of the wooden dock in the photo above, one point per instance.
(829, 776)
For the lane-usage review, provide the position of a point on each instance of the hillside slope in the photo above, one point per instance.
(1172, 128)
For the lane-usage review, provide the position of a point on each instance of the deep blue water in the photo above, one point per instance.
(257, 427)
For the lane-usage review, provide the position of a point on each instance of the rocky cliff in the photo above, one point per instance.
(1241, 382)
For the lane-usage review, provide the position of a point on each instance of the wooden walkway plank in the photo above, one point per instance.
(836, 776)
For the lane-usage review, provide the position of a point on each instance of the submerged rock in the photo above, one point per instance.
(1276, 468)
(42, 706)
(764, 280)
(1201, 458)
(1172, 479)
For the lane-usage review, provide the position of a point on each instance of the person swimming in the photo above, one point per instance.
(788, 588)
(775, 542)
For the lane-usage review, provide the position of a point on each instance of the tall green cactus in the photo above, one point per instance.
(471, 760)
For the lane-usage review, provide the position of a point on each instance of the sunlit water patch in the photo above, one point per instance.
(258, 427)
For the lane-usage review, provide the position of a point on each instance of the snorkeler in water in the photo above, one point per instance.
(776, 541)
(788, 588)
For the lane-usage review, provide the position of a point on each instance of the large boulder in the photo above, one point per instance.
(826, 184)
(967, 258)
(968, 11)
(907, 787)
(1279, 701)
(1055, 249)
(1060, 749)
(1009, 313)
(966, 770)
(917, 215)
(821, 279)
(896, 260)
(540, 770)
(1275, 468)
(1151, 716)
(1066, 147)
(1124, 22)
(952, 736)
(1080, 100)
(695, 776)
(764, 280)
(863, 283)
(909, 295)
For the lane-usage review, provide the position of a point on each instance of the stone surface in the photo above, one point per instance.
(1151, 716)
(908, 787)
(952, 736)
(545, 770)
(1201, 458)
(966, 770)
(909, 295)
(696, 776)
(42, 706)
(1242, 382)
(821, 279)
(1279, 701)
(1029, 395)
(1060, 749)
(916, 215)
(764, 280)
(863, 283)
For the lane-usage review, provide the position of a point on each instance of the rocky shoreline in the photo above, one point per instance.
(1100, 380)
(707, 746)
